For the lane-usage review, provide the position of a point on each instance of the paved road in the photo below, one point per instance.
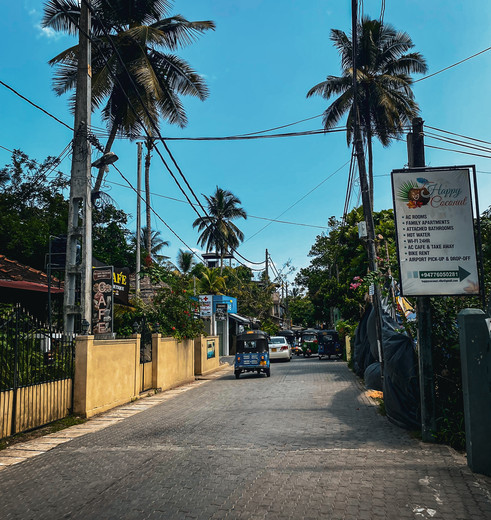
(303, 444)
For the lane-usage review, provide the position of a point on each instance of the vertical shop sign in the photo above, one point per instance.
(102, 300)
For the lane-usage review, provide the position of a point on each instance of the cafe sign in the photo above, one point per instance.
(102, 300)
(435, 232)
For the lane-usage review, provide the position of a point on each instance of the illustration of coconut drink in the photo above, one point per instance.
(415, 195)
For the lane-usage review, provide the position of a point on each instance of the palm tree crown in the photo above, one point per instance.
(185, 261)
(218, 232)
(157, 244)
(147, 86)
(385, 98)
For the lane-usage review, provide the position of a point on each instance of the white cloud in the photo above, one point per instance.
(47, 32)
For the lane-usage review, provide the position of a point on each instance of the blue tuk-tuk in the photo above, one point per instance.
(252, 353)
(329, 344)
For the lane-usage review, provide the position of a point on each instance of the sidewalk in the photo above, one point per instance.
(22, 451)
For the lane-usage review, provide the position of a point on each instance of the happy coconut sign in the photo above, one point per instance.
(435, 232)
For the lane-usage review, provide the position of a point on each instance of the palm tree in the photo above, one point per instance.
(211, 282)
(185, 261)
(157, 244)
(140, 30)
(385, 98)
(218, 232)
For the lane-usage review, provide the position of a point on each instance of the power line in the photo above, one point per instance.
(299, 200)
(458, 135)
(155, 126)
(250, 137)
(35, 106)
(451, 66)
(157, 215)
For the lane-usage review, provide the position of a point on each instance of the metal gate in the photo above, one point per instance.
(36, 373)
(146, 366)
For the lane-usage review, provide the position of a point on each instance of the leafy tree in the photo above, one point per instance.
(385, 98)
(33, 207)
(302, 311)
(111, 240)
(141, 31)
(171, 312)
(337, 258)
(254, 297)
(218, 232)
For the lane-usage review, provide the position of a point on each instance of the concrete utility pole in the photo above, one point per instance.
(138, 218)
(365, 193)
(416, 159)
(78, 271)
(267, 266)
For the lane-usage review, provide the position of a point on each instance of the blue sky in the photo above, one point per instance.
(259, 64)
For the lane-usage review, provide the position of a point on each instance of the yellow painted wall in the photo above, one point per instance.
(349, 353)
(203, 364)
(107, 374)
(173, 361)
(36, 405)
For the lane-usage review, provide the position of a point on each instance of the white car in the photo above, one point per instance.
(279, 348)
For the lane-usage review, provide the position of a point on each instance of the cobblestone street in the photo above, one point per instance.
(304, 443)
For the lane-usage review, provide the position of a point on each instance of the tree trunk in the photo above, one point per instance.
(147, 197)
(109, 144)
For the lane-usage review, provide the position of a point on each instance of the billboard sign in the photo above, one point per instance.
(435, 232)
(121, 283)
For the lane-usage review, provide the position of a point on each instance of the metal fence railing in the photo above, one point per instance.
(36, 372)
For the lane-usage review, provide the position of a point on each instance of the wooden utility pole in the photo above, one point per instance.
(416, 159)
(78, 271)
(138, 217)
(365, 193)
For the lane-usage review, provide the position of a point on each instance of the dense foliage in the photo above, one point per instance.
(34, 207)
(337, 258)
(172, 311)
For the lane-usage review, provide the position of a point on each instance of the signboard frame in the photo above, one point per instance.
(103, 301)
(221, 312)
(476, 227)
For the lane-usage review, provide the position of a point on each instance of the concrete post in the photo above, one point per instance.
(476, 384)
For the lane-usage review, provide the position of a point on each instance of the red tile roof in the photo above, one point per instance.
(18, 276)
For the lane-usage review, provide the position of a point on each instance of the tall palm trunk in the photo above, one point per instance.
(148, 157)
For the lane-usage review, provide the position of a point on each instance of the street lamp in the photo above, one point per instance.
(103, 162)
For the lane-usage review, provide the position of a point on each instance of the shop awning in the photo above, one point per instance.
(240, 319)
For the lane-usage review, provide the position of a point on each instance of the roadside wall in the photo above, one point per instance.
(173, 362)
(108, 373)
(206, 355)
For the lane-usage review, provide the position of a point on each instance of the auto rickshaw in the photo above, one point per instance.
(329, 344)
(289, 335)
(252, 353)
(309, 342)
